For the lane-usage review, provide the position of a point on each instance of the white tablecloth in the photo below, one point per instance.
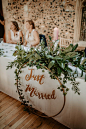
(81, 43)
(74, 112)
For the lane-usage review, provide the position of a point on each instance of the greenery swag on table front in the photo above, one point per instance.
(55, 61)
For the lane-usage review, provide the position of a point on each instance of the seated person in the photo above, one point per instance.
(14, 33)
(31, 36)
(1, 26)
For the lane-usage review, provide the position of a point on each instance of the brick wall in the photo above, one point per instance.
(46, 14)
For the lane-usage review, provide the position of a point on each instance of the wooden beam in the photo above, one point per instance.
(77, 24)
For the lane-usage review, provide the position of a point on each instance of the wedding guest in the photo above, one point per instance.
(2, 23)
(14, 34)
(31, 36)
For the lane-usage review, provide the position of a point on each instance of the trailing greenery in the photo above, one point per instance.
(55, 61)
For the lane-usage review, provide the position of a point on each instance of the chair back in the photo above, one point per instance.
(42, 37)
(65, 42)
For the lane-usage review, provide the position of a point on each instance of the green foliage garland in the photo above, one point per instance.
(55, 61)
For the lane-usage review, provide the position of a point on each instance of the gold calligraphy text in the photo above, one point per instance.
(35, 77)
(34, 92)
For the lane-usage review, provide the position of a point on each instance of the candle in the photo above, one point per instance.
(55, 33)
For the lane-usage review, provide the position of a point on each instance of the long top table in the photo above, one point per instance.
(74, 113)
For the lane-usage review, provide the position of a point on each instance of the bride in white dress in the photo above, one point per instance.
(14, 33)
(31, 36)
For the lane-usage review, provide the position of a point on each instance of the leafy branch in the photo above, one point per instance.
(56, 61)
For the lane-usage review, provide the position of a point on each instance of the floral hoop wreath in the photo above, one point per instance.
(23, 101)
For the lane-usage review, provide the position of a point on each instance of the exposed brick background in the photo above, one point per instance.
(46, 14)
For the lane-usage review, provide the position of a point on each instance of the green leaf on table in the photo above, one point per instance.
(43, 70)
(63, 65)
(59, 70)
(83, 61)
(74, 48)
(17, 47)
(5, 56)
(37, 56)
(28, 56)
(51, 64)
(58, 58)
(15, 53)
(71, 54)
(49, 56)
(69, 69)
(69, 48)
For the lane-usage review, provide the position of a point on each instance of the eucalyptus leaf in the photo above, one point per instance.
(69, 69)
(28, 56)
(84, 61)
(17, 47)
(15, 53)
(58, 58)
(59, 71)
(69, 48)
(63, 65)
(74, 48)
(37, 56)
(51, 64)
(49, 57)
(71, 54)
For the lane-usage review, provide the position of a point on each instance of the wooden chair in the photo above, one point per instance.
(65, 42)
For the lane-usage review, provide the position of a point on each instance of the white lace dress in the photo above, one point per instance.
(15, 37)
(29, 37)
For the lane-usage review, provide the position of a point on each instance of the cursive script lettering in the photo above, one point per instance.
(35, 77)
(35, 92)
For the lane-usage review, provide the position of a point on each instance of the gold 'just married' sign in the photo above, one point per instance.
(41, 91)
(33, 91)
